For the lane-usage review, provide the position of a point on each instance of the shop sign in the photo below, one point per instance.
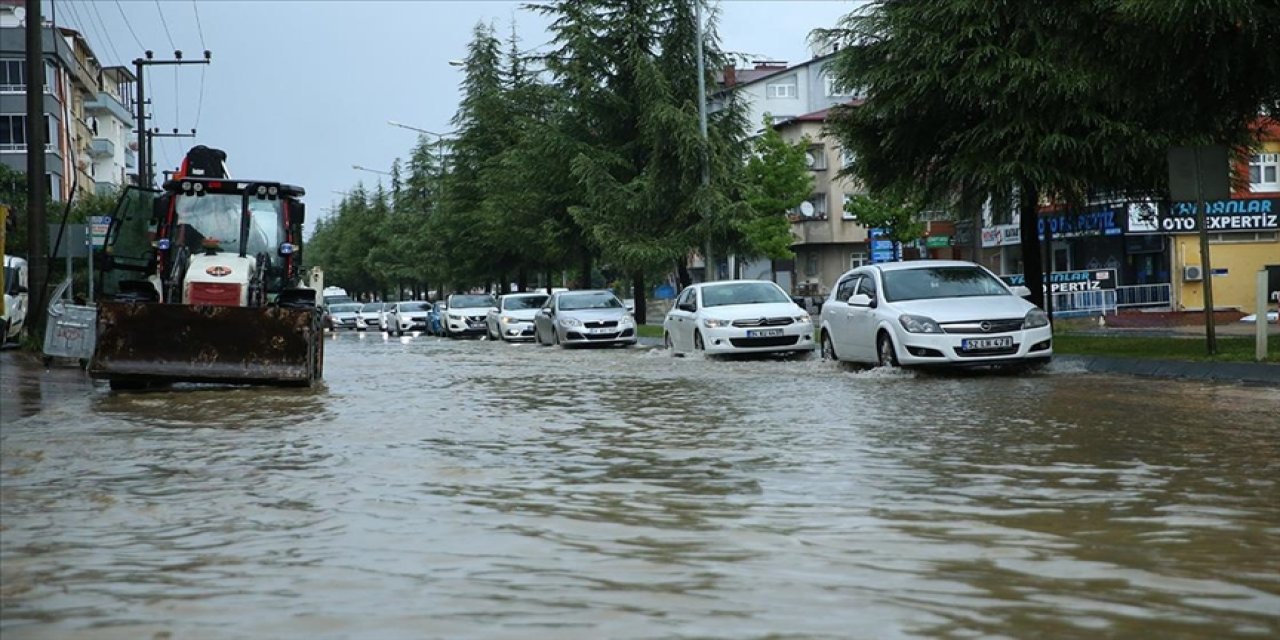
(1098, 222)
(1071, 281)
(937, 242)
(1001, 235)
(1221, 216)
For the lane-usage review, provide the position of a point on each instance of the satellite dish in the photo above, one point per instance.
(806, 209)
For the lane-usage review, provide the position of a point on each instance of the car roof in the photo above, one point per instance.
(524, 294)
(572, 291)
(922, 264)
(711, 284)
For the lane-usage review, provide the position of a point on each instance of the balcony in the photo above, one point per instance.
(102, 148)
(107, 103)
(130, 159)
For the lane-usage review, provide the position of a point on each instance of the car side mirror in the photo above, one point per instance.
(1021, 291)
(297, 213)
(22, 289)
(860, 300)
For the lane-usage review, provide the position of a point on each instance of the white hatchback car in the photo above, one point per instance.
(932, 313)
(737, 316)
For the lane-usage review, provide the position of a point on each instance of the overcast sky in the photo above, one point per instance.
(300, 91)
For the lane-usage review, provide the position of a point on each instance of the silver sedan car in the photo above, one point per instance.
(584, 317)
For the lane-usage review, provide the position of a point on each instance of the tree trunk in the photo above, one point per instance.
(1032, 270)
(522, 280)
(585, 282)
(637, 294)
(683, 275)
(546, 275)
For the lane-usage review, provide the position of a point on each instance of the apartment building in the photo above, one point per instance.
(87, 119)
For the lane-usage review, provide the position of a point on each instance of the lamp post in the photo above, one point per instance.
(379, 171)
(440, 138)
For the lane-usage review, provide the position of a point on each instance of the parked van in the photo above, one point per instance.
(13, 320)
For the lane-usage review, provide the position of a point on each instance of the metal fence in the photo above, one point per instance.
(1152, 296)
(1084, 303)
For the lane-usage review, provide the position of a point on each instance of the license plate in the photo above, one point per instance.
(597, 332)
(983, 344)
(477, 325)
(763, 333)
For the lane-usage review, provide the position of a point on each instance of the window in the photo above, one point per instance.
(847, 157)
(13, 133)
(844, 209)
(1236, 237)
(834, 89)
(13, 76)
(857, 259)
(782, 89)
(811, 264)
(1263, 170)
(867, 287)
(846, 288)
(816, 158)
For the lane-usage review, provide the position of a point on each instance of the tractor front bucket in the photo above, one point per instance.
(148, 343)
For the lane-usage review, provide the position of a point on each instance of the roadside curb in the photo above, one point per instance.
(1249, 372)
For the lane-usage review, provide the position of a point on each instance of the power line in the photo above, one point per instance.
(110, 44)
(130, 26)
(166, 26)
(199, 28)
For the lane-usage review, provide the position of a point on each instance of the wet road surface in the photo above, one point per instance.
(438, 489)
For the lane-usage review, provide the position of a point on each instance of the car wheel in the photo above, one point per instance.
(828, 348)
(886, 356)
(666, 341)
(555, 336)
(697, 341)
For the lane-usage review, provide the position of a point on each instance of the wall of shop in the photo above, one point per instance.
(1234, 288)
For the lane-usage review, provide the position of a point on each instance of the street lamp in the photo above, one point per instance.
(360, 168)
(440, 138)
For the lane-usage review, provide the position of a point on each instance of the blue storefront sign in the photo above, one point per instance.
(1109, 221)
(1221, 216)
(1070, 281)
(882, 248)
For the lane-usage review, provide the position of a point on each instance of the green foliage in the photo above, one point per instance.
(776, 179)
(900, 220)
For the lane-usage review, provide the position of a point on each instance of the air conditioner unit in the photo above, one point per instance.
(1192, 273)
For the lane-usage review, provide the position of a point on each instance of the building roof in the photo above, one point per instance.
(765, 70)
(816, 116)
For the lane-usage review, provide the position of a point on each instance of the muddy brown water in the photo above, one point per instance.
(438, 489)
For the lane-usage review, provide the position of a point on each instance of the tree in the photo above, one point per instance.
(1054, 100)
(900, 220)
(775, 181)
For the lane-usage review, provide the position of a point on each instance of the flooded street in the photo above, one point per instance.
(440, 489)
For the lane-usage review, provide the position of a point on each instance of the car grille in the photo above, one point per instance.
(773, 341)
(993, 326)
(763, 322)
(600, 324)
(475, 318)
(986, 353)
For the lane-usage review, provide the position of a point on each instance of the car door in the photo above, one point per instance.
(542, 320)
(862, 321)
(835, 315)
(682, 320)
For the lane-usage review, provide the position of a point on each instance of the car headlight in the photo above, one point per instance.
(455, 317)
(626, 321)
(918, 324)
(509, 320)
(804, 319)
(1035, 318)
(570, 322)
(712, 323)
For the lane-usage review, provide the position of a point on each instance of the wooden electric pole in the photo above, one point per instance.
(37, 134)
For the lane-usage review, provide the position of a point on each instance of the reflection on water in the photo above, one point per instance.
(470, 489)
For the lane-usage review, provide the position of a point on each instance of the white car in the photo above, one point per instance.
(512, 319)
(13, 320)
(737, 316)
(371, 315)
(407, 316)
(465, 313)
(932, 313)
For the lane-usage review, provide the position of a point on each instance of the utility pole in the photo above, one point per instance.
(37, 132)
(151, 136)
(145, 160)
(709, 266)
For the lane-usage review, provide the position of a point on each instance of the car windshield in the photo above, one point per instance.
(524, 302)
(217, 216)
(470, 302)
(600, 300)
(345, 308)
(940, 282)
(415, 306)
(722, 295)
(372, 307)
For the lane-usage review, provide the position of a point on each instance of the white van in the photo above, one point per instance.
(13, 320)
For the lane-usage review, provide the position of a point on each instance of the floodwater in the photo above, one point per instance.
(438, 489)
